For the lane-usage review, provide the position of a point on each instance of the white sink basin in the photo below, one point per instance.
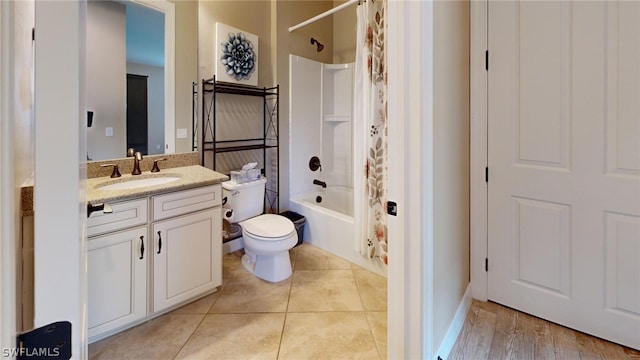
(133, 183)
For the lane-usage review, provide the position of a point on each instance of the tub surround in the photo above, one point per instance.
(321, 99)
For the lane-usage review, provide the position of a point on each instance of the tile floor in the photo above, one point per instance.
(328, 309)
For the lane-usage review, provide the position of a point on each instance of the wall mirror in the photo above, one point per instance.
(138, 86)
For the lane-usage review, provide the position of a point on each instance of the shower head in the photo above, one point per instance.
(317, 43)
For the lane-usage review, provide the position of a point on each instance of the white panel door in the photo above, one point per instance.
(564, 162)
(117, 280)
(187, 257)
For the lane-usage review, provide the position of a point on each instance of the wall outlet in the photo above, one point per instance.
(182, 133)
(108, 131)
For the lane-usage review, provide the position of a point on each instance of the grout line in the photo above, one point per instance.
(358, 288)
(375, 341)
(286, 310)
(190, 336)
(365, 312)
(330, 311)
(201, 320)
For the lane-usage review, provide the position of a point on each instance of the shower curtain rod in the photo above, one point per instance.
(324, 14)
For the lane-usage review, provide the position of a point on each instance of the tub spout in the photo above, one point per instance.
(321, 183)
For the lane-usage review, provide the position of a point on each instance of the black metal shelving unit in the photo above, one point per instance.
(268, 143)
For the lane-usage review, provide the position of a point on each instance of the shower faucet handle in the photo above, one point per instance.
(314, 163)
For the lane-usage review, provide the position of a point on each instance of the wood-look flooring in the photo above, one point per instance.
(493, 331)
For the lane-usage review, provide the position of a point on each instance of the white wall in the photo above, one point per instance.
(23, 15)
(17, 154)
(21, 78)
(155, 104)
(451, 161)
(344, 34)
(186, 67)
(106, 83)
(60, 192)
(8, 202)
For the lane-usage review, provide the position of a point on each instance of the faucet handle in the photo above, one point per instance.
(155, 165)
(137, 157)
(116, 172)
(131, 152)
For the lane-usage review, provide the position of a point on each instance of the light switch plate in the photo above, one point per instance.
(182, 133)
(108, 131)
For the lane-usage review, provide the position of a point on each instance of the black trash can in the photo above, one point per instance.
(298, 221)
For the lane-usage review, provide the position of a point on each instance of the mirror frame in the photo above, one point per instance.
(169, 10)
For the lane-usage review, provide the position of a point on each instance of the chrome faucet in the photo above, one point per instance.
(321, 183)
(137, 156)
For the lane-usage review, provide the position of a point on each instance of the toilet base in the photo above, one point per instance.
(273, 268)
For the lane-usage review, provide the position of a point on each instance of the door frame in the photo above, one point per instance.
(8, 229)
(478, 147)
(410, 110)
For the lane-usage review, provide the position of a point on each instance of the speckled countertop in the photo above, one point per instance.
(183, 165)
(26, 195)
(190, 177)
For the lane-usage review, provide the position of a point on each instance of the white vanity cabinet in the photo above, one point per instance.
(152, 254)
(117, 266)
(187, 245)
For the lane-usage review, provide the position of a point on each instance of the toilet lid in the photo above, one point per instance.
(268, 226)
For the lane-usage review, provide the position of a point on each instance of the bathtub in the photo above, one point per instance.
(330, 224)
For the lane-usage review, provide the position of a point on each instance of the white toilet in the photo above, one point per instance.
(267, 238)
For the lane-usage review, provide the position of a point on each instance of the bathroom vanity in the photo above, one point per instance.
(160, 247)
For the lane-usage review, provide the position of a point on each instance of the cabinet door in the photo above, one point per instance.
(187, 257)
(117, 279)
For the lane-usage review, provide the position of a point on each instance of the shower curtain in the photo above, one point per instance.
(371, 107)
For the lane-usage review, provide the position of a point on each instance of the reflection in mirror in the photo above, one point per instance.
(131, 76)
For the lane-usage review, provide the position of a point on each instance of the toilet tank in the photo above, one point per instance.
(246, 199)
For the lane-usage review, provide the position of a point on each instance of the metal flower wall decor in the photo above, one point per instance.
(236, 55)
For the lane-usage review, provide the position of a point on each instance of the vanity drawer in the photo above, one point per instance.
(182, 202)
(125, 214)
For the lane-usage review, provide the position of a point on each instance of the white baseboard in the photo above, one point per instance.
(233, 245)
(456, 325)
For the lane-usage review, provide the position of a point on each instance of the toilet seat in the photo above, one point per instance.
(268, 227)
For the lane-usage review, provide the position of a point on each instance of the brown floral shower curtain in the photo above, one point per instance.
(371, 107)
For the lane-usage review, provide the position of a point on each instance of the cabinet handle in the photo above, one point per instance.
(141, 247)
(159, 242)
